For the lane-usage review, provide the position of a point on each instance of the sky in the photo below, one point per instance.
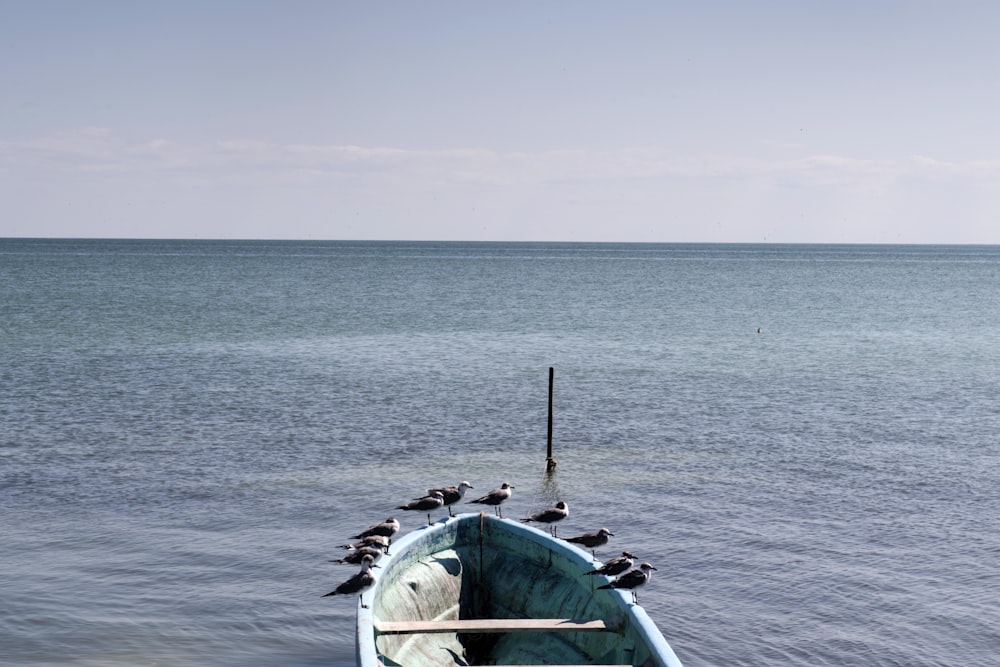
(616, 121)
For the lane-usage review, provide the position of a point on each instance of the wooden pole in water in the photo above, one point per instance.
(550, 463)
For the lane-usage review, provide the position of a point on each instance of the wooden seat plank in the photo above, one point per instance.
(492, 625)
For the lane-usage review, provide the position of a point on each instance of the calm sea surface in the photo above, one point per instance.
(188, 430)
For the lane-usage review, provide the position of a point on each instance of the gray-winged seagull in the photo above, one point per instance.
(550, 516)
(370, 541)
(495, 497)
(592, 540)
(386, 529)
(452, 494)
(358, 555)
(359, 583)
(429, 502)
(615, 565)
(633, 579)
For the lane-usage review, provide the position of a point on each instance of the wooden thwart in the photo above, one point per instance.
(492, 625)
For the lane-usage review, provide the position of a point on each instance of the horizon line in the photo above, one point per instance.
(483, 241)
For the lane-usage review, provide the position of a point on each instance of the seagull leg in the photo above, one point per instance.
(450, 513)
(428, 518)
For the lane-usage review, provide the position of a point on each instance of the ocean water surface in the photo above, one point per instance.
(804, 440)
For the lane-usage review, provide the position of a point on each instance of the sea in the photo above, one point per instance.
(804, 440)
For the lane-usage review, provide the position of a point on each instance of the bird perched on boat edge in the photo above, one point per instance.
(616, 565)
(358, 555)
(495, 498)
(359, 583)
(598, 538)
(370, 541)
(632, 580)
(550, 516)
(452, 494)
(386, 529)
(430, 502)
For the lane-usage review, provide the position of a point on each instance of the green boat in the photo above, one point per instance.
(478, 590)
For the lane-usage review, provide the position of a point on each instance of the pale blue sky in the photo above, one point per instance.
(868, 122)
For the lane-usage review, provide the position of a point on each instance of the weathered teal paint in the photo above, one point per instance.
(479, 566)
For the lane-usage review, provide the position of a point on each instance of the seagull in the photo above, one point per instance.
(550, 516)
(358, 555)
(495, 497)
(386, 529)
(370, 541)
(592, 540)
(359, 583)
(632, 579)
(615, 565)
(452, 494)
(429, 502)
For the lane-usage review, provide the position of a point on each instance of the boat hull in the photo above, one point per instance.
(502, 593)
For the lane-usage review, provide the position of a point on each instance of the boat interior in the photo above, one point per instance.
(484, 591)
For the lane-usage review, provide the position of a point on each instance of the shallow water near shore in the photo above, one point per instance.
(190, 429)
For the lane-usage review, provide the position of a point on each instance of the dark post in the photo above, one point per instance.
(550, 463)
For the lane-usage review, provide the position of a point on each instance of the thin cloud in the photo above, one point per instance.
(99, 150)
